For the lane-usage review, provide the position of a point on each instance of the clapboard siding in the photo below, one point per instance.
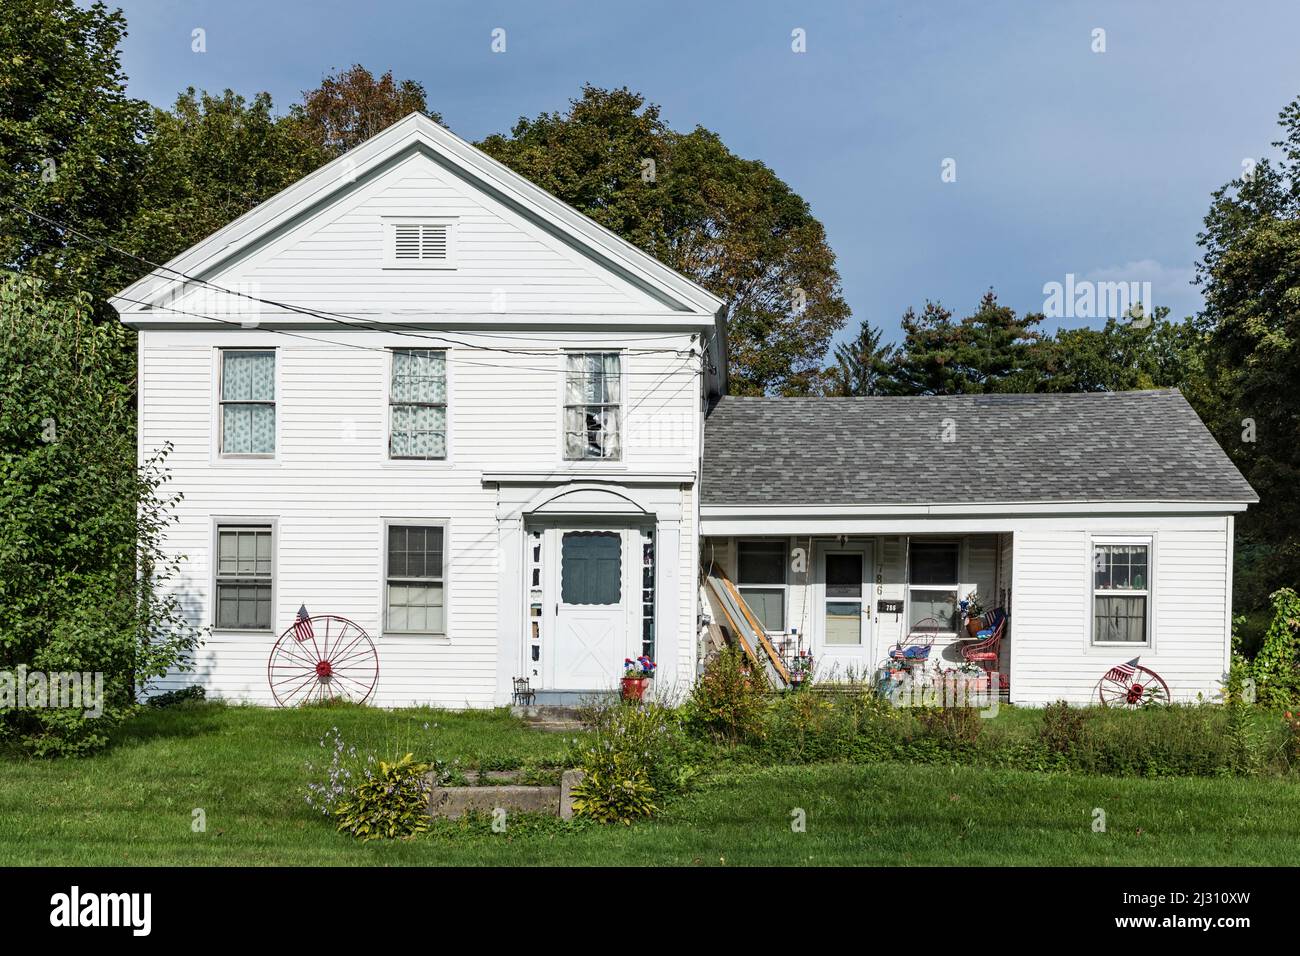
(331, 486)
(504, 263)
(1052, 654)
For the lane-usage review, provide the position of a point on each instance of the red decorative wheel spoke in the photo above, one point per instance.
(323, 658)
(1143, 687)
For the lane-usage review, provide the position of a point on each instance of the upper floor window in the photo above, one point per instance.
(593, 409)
(248, 402)
(417, 400)
(1121, 592)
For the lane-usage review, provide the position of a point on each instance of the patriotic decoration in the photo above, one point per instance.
(1122, 671)
(322, 658)
(1132, 685)
(302, 626)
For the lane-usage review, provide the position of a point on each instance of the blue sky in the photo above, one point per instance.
(1068, 161)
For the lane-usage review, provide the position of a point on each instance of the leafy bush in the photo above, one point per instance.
(83, 578)
(392, 802)
(1064, 729)
(808, 726)
(614, 789)
(1276, 668)
(729, 700)
(955, 727)
(171, 698)
(635, 753)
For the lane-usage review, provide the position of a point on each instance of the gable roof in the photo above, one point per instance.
(1146, 446)
(417, 132)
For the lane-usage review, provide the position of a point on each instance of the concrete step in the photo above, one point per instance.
(550, 718)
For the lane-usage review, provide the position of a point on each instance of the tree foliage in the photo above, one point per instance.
(352, 105)
(991, 350)
(71, 141)
(1250, 276)
(82, 573)
(862, 365)
(210, 159)
(729, 223)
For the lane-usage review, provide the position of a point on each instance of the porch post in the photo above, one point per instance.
(672, 647)
(510, 625)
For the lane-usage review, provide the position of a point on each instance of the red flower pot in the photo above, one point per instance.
(634, 687)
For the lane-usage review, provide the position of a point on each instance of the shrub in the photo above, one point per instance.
(614, 789)
(1064, 729)
(635, 753)
(171, 698)
(954, 728)
(83, 577)
(729, 699)
(1276, 668)
(391, 802)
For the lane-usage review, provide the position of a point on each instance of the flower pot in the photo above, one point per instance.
(974, 626)
(633, 688)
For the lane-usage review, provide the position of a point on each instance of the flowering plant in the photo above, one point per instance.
(642, 667)
(971, 607)
(801, 667)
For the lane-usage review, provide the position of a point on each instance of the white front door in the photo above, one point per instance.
(843, 609)
(590, 595)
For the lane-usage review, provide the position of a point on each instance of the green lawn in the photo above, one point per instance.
(246, 768)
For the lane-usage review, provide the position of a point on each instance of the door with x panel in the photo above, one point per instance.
(589, 594)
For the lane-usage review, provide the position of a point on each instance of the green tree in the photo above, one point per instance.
(1250, 276)
(861, 365)
(1126, 354)
(729, 223)
(210, 159)
(71, 142)
(991, 350)
(82, 574)
(352, 105)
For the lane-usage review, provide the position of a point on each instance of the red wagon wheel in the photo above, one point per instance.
(1140, 686)
(325, 657)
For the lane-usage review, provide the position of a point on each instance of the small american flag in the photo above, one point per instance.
(1123, 671)
(302, 626)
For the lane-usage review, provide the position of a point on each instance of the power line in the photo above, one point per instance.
(342, 318)
(372, 348)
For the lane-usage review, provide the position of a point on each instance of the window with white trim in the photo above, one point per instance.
(414, 600)
(244, 573)
(247, 403)
(593, 406)
(417, 405)
(761, 580)
(1121, 591)
(933, 587)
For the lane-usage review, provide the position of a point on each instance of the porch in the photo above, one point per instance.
(846, 601)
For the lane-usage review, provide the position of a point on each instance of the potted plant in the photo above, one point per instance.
(972, 612)
(636, 676)
(801, 668)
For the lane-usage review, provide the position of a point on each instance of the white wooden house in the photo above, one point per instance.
(416, 391)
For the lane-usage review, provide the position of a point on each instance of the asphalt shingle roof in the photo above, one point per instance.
(1096, 446)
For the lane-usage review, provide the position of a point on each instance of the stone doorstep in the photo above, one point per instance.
(454, 802)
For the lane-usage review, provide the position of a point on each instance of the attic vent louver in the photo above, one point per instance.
(416, 245)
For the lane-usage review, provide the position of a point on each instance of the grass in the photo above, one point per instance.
(246, 768)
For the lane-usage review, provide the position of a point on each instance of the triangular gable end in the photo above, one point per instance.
(414, 170)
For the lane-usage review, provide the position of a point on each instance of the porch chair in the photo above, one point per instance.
(984, 651)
